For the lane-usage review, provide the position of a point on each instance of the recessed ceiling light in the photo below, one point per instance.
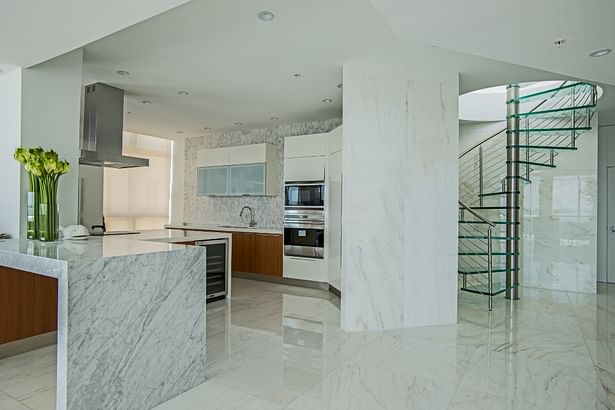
(238, 124)
(265, 15)
(180, 132)
(559, 43)
(146, 102)
(297, 75)
(206, 128)
(274, 118)
(183, 92)
(601, 52)
(327, 100)
(128, 112)
(122, 72)
(340, 85)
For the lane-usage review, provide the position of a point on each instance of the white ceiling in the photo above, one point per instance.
(520, 31)
(240, 69)
(33, 31)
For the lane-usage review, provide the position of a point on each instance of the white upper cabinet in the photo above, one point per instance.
(212, 157)
(238, 171)
(313, 145)
(304, 169)
(335, 140)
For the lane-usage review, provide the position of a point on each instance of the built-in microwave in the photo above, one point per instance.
(304, 233)
(304, 195)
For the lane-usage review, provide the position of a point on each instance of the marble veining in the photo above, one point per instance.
(131, 316)
(400, 150)
(225, 210)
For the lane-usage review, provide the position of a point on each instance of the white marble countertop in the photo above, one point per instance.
(219, 228)
(15, 253)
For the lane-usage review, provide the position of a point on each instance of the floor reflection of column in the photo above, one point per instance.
(511, 341)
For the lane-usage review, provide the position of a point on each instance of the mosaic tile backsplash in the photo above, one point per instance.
(269, 211)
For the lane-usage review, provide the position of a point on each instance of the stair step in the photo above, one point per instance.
(500, 193)
(521, 178)
(579, 88)
(482, 270)
(495, 207)
(494, 222)
(541, 147)
(496, 289)
(562, 129)
(554, 112)
(484, 237)
(536, 164)
(494, 253)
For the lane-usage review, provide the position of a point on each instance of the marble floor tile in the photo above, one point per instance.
(276, 347)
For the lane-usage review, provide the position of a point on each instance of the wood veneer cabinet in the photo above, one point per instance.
(28, 304)
(257, 253)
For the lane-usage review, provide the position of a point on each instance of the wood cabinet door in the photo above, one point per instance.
(268, 254)
(243, 252)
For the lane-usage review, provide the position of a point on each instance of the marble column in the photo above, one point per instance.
(400, 191)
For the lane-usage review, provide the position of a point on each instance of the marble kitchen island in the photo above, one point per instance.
(131, 316)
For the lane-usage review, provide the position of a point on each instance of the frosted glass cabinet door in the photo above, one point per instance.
(247, 179)
(212, 181)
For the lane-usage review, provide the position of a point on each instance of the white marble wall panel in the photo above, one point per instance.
(225, 210)
(560, 221)
(400, 150)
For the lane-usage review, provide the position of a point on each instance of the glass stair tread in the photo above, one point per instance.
(493, 222)
(500, 193)
(541, 147)
(496, 289)
(579, 88)
(484, 237)
(494, 207)
(494, 253)
(554, 112)
(519, 177)
(561, 129)
(477, 270)
(536, 164)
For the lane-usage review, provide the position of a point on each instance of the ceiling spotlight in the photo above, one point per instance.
(340, 85)
(265, 15)
(128, 112)
(238, 124)
(327, 100)
(123, 73)
(180, 132)
(559, 43)
(274, 118)
(601, 52)
(183, 92)
(297, 75)
(206, 128)
(146, 102)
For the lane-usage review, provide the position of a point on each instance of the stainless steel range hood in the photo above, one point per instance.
(103, 124)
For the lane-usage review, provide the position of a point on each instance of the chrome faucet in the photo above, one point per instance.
(252, 221)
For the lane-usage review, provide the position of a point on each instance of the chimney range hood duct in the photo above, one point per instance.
(103, 124)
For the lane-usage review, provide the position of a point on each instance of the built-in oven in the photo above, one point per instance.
(304, 233)
(304, 195)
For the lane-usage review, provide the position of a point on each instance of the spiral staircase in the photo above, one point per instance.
(492, 173)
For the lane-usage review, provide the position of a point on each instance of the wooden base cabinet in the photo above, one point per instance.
(28, 304)
(257, 253)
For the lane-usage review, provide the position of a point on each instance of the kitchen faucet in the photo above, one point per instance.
(252, 223)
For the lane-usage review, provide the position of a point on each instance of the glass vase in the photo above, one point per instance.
(32, 208)
(48, 220)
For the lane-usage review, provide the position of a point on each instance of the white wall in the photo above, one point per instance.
(10, 138)
(51, 107)
(400, 183)
(178, 165)
(606, 158)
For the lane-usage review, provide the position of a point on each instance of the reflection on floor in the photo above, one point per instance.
(281, 347)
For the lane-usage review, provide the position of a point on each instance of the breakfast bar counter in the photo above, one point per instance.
(131, 316)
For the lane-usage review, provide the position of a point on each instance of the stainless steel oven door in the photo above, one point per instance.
(304, 240)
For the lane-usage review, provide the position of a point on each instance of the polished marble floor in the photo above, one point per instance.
(281, 347)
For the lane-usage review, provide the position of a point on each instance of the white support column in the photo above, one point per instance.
(400, 171)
